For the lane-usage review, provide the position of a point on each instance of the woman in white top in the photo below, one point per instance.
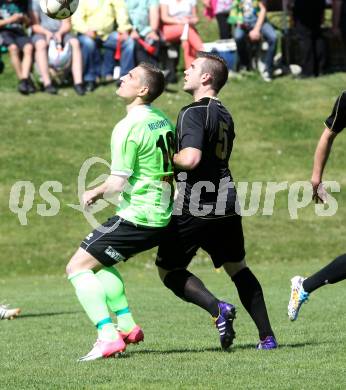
(178, 18)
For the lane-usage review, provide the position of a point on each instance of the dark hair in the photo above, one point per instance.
(216, 67)
(154, 80)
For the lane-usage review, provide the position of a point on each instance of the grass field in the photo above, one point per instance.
(181, 349)
(277, 125)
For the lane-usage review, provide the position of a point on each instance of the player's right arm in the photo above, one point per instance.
(112, 186)
(335, 123)
(320, 160)
(191, 138)
(187, 158)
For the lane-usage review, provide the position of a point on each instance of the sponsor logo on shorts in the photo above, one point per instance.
(114, 254)
(89, 236)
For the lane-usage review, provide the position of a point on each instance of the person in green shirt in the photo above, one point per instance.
(141, 177)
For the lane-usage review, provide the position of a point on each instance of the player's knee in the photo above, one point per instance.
(28, 48)
(176, 281)
(69, 268)
(74, 265)
(162, 273)
(13, 49)
(234, 268)
(41, 45)
(74, 43)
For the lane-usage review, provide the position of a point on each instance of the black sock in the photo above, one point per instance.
(332, 273)
(188, 287)
(251, 296)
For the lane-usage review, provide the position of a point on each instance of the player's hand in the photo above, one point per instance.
(58, 37)
(184, 20)
(254, 35)
(123, 36)
(49, 36)
(89, 198)
(15, 18)
(206, 3)
(319, 194)
(193, 20)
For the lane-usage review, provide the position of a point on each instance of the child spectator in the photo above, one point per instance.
(45, 29)
(178, 17)
(13, 20)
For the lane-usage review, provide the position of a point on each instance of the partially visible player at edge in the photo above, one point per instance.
(335, 271)
(141, 152)
(205, 133)
(6, 313)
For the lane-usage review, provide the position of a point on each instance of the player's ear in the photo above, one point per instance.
(206, 78)
(143, 91)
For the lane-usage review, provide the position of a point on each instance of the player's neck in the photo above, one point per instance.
(135, 103)
(205, 93)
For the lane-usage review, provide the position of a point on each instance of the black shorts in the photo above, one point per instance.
(14, 38)
(221, 238)
(119, 240)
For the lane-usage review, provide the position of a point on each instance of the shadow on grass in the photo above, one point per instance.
(49, 314)
(214, 349)
(173, 351)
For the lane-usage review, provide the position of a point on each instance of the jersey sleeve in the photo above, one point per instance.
(337, 119)
(124, 148)
(192, 124)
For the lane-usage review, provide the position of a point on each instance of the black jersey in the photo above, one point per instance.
(208, 126)
(337, 119)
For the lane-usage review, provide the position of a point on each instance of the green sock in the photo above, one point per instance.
(113, 285)
(92, 297)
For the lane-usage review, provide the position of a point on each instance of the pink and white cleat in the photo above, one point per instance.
(8, 314)
(104, 349)
(135, 336)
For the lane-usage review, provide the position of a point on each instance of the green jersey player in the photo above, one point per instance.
(141, 172)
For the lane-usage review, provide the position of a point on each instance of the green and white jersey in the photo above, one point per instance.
(142, 148)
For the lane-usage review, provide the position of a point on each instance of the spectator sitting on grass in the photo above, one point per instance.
(178, 16)
(13, 20)
(45, 29)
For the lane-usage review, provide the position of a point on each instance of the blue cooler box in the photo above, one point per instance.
(225, 48)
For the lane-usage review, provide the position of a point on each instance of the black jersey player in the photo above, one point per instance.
(335, 271)
(206, 208)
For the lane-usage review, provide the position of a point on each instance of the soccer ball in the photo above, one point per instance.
(58, 9)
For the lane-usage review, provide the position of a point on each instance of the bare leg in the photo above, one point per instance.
(27, 60)
(77, 65)
(15, 60)
(41, 55)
